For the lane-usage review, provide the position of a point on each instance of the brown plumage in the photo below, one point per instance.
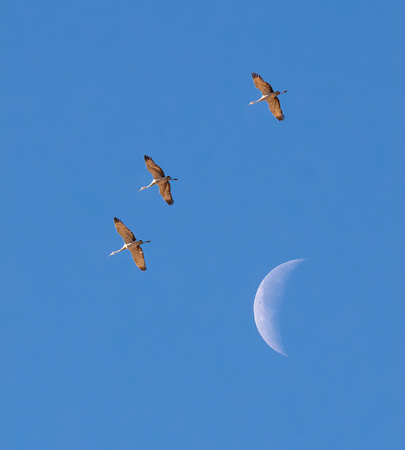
(154, 169)
(269, 95)
(262, 85)
(131, 244)
(165, 192)
(124, 232)
(160, 179)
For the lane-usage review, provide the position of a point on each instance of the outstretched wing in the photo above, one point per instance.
(125, 232)
(275, 108)
(263, 87)
(153, 168)
(137, 255)
(165, 192)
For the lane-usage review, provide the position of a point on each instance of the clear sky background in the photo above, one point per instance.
(97, 354)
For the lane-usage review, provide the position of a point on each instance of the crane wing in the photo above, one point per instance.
(125, 232)
(263, 87)
(275, 108)
(165, 192)
(153, 168)
(137, 255)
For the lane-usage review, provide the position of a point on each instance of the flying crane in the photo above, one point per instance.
(131, 244)
(160, 179)
(269, 95)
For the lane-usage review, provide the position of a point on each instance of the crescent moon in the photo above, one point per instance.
(267, 304)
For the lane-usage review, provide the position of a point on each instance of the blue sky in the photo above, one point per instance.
(97, 354)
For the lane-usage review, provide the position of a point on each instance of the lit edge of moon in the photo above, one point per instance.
(268, 301)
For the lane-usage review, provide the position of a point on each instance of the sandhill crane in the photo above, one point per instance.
(131, 244)
(269, 95)
(160, 179)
